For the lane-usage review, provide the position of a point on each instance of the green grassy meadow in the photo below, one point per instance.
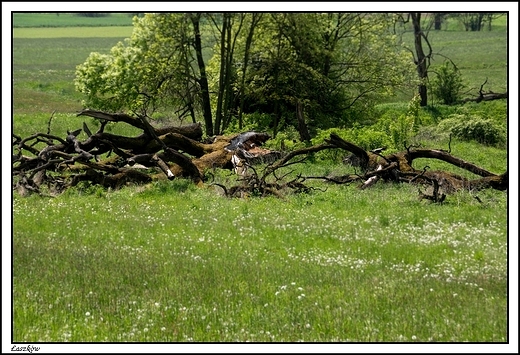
(176, 263)
(72, 32)
(479, 56)
(42, 20)
(172, 262)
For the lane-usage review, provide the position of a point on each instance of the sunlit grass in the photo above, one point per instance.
(72, 32)
(169, 262)
(172, 262)
(68, 20)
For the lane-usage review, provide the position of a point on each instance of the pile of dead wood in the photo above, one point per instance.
(47, 164)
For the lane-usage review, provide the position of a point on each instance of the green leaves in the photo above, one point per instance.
(327, 63)
(142, 72)
(447, 84)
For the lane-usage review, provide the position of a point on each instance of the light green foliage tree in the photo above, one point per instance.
(305, 69)
(151, 69)
(222, 67)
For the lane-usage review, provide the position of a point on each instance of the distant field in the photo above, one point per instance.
(43, 70)
(478, 55)
(69, 19)
(73, 32)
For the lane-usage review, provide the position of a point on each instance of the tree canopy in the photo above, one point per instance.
(305, 70)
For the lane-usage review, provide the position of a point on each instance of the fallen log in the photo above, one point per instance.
(106, 159)
(399, 167)
(176, 151)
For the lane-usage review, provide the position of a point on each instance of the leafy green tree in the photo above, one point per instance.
(306, 70)
(151, 69)
(324, 64)
(229, 28)
(255, 19)
(159, 67)
(447, 84)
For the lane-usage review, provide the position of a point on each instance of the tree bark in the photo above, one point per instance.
(193, 131)
(222, 76)
(255, 19)
(203, 80)
(65, 162)
(167, 148)
(398, 167)
(302, 126)
(421, 60)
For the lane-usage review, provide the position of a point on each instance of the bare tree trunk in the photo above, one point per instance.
(229, 99)
(421, 60)
(254, 21)
(437, 20)
(302, 126)
(222, 76)
(203, 81)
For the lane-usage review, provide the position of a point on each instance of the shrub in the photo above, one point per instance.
(482, 130)
(401, 125)
(370, 138)
(365, 137)
(447, 85)
(495, 110)
(287, 140)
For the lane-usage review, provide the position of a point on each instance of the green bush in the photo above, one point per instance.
(370, 138)
(334, 155)
(447, 85)
(476, 128)
(401, 123)
(366, 137)
(438, 112)
(495, 110)
(287, 140)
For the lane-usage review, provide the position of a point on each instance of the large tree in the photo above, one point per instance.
(153, 68)
(160, 66)
(422, 50)
(307, 69)
(310, 69)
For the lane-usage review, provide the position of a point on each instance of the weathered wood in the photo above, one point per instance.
(165, 168)
(490, 96)
(400, 166)
(179, 155)
(193, 131)
(372, 179)
(447, 157)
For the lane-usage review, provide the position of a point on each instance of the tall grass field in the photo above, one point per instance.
(170, 262)
(175, 263)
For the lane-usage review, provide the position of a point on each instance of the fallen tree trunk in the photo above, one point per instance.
(193, 131)
(44, 162)
(489, 96)
(399, 167)
(486, 96)
(375, 167)
(101, 157)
